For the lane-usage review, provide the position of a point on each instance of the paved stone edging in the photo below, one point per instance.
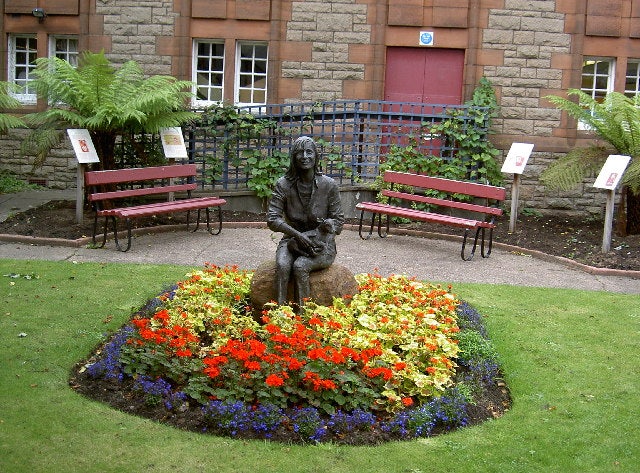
(416, 233)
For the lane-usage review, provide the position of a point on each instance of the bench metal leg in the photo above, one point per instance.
(208, 221)
(95, 231)
(464, 244)
(381, 234)
(219, 212)
(115, 234)
(485, 254)
(373, 218)
(386, 232)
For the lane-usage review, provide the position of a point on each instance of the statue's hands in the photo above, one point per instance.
(305, 242)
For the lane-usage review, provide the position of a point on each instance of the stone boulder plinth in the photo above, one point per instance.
(334, 281)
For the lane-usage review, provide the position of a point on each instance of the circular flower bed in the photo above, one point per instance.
(400, 359)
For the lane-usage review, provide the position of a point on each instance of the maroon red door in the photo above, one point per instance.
(424, 75)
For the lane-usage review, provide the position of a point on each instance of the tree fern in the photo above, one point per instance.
(616, 120)
(106, 100)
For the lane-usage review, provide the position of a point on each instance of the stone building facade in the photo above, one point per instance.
(321, 50)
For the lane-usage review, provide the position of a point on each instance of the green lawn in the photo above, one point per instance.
(571, 358)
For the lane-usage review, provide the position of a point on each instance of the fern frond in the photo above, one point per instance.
(39, 142)
(631, 177)
(569, 170)
(7, 101)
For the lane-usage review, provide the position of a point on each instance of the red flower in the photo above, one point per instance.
(274, 380)
(212, 371)
(407, 401)
(252, 365)
(294, 364)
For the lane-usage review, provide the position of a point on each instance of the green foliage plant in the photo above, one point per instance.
(232, 127)
(467, 131)
(108, 101)
(616, 120)
(10, 183)
(9, 102)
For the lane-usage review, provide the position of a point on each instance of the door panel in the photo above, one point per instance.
(424, 75)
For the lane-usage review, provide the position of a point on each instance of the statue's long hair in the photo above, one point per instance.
(298, 145)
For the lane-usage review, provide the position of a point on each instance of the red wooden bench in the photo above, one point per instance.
(110, 190)
(408, 189)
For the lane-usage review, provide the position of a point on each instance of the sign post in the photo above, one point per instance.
(608, 179)
(85, 154)
(515, 163)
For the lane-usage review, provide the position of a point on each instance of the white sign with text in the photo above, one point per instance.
(517, 158)
(173, 142)
(83, 145)
(612, 171)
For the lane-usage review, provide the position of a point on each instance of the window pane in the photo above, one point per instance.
(261, 51)
(260, 67)
(601, 83)
(245, 81)
(260, 83)
(245, 66)
(244, 96)
(259, 96)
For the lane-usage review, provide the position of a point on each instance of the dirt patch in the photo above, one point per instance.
(573, 238)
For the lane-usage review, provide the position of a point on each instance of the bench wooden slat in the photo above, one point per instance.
(163, 207)
(443, 202)
(120, 194)
(119, 176)
(414, 214)
(445, 185)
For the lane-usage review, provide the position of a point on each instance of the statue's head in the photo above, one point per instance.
(300, 145)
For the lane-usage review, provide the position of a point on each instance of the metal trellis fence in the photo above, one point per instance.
(355, 136)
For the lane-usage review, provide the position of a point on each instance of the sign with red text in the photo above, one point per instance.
(612, 171)
(173, 142)
(83, 145)
(517, 158)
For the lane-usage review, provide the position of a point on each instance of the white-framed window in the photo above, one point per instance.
(208, 71)
(632, 80)
(251, 73)
(23, 51)
(597, 79)
(64, 47)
